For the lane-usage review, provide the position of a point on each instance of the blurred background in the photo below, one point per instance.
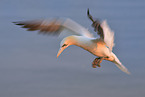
(28, 63)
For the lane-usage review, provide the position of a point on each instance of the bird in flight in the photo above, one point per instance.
(80, 36)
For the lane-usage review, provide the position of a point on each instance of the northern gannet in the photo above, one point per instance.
(81, 37)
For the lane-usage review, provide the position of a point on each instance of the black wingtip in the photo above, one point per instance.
(88, 12)
(17, 23)
(89, 16)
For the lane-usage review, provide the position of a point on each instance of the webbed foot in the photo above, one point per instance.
(96, 62)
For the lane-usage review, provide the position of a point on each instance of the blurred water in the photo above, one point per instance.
(28, 63)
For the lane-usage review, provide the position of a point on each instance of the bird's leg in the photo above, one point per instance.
(97, 62)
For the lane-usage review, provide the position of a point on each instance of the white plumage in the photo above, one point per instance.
(108, 35)
(101, 47)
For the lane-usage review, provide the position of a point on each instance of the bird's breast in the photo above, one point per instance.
(94, 46)
(98, 49)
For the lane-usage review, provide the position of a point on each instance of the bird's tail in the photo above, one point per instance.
(119, 64)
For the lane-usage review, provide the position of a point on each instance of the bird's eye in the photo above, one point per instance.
(64, 45)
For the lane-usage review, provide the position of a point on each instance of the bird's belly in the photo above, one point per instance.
(100, 51)
(96, 47)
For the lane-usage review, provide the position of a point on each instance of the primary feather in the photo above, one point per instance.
(108, 35)
(103, 31)
(55, 27)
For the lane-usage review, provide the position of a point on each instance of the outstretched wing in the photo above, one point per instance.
(108, 35)
(103, 30)
(97, 25)
(54, 26)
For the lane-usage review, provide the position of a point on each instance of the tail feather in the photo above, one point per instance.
(123, 68)
(120, 65)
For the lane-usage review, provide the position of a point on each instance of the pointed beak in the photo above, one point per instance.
(60, 51)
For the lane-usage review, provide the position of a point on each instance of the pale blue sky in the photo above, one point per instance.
(28, 63)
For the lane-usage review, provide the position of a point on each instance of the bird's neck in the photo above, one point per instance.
(81, 41)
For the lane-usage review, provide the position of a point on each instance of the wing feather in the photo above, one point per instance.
(103, 31)
(55, 26)
(108, 35)
(96, 25)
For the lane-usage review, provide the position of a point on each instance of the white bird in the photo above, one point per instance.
(81, 37)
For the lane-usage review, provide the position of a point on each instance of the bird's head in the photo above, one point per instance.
(66, 42)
